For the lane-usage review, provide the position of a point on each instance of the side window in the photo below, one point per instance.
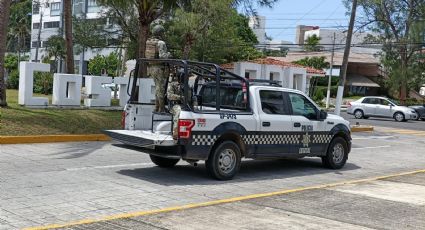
(272, 102)
(366, 101)
(302, 106)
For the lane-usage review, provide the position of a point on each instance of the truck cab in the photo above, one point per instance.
(226, 117)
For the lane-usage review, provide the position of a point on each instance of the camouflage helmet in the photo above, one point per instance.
(158, 30)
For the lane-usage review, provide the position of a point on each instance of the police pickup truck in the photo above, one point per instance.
(225, 118)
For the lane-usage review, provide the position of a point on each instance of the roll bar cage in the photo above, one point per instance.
(201, 69)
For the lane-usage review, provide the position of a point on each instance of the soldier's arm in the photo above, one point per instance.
(172, 94)
(162, 48)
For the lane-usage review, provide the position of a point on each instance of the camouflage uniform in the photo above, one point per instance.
(157, 49)
(174, 95)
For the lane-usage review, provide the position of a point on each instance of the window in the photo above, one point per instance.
(231, 96)
(272, 102)
(55, 8)
(302, 106)
(373, 101)
(34, 44)
(54, 24)
(92, 3)
(35, 8)
(36, 26)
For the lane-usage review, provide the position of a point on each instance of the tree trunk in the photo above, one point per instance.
(68, 36)
(403, 80)
(143, 37)
(4, 21)
(188, 46)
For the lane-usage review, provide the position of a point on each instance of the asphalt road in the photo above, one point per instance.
(385, 122)
(43, 184)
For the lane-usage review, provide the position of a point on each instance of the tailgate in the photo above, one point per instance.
(140, 138)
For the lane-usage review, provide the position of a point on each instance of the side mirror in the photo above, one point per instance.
(390, 105)
(322, 115)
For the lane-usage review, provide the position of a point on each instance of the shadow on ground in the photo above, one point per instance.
(251, 170)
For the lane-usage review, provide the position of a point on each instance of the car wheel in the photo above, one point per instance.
(358, 114)
(224, 161)
(399, 117)
(163, 162)
(337, 154)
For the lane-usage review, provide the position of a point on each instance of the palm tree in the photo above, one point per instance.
(69, 59)
(4, 21)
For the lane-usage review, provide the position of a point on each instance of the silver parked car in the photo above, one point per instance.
(367, 107)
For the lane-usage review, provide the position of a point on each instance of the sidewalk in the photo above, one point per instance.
(396, 202)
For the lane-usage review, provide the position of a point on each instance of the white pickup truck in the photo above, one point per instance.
(225, 118)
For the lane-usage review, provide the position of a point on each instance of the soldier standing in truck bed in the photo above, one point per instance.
(157, 49)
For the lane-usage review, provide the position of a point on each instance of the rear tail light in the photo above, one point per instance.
(185, 128)
(123, 114)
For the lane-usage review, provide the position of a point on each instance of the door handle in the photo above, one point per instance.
(297, 124)
(266, 124)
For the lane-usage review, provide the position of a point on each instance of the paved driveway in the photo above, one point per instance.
(42, 184)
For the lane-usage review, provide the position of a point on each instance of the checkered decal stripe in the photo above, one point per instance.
(203, 139)
(321, 139)
(270, 139)
(265, 139)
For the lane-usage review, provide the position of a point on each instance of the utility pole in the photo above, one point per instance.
(328, 93)
(343, 72)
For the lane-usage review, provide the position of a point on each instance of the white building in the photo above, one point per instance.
(258, 26)
(47, 21)
(288, 75)
(327, 35)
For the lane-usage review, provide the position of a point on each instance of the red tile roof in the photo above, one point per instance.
(271, 61)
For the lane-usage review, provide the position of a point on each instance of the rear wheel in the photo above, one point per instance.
(163, 162)
(224, 161)
(399, 117)
(358, 114)
(337, 154)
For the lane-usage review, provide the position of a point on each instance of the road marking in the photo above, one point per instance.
(374, 147)
(110, 166)
(372, 137)
(222, 201)
(388, 190)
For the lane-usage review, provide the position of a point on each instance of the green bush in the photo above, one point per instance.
(13, 80)
(43, 82)
(318, 95)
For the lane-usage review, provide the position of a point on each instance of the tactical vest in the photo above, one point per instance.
(152, 49)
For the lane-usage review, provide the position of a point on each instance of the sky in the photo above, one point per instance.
(282, 19)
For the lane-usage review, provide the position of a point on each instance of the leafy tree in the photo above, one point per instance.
(19, 27)
(315, 62)
(110, 63)
(312, 43)
(228, 38)
(90, 33)
(282, 52)
(55, 49)
(4, 21)
(401, 29)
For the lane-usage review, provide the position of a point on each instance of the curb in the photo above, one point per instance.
(52, 138)
(357, 128)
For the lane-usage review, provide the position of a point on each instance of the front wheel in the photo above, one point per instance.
(337, 154)
(399, 117)
(163, 162)
(224, 161)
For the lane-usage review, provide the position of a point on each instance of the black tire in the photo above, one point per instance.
(333, 161)
(224, 161)
(399, 117)
(358, 114)
(163, 162)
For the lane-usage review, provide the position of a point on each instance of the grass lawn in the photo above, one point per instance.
(18, 120)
